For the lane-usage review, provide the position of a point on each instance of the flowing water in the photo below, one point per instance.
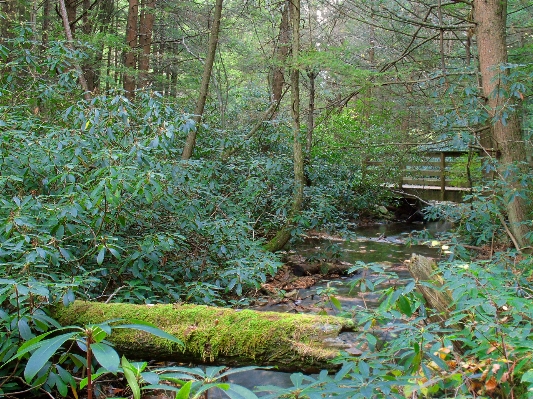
(384, 245)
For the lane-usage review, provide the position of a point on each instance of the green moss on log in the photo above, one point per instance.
(216, 335)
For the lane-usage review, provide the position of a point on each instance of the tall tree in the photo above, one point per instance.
(281, 52)
(490, 17)
(46, 21)
(146, 27)
(283, 235)
(206, 77)
(130, 59)
(68, 32)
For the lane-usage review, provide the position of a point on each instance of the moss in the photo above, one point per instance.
(210, 333)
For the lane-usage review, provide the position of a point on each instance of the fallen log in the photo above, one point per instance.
(215, 335)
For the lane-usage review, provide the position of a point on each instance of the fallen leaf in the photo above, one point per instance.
(491, 384)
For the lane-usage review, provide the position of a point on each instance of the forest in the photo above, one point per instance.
(162, 162)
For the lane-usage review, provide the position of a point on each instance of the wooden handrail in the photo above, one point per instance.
(434, 168)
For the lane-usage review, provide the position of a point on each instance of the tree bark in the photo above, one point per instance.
(312, 75)
(89, 66)
(439, 302)
(424, 270)
(130, 59)
(218, 335)
(68, 33)
(204, 88)
(145, 39)
(281, 54)
(283, 236)
(46, 22)
(490, 17)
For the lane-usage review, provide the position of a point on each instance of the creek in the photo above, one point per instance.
(384, 244)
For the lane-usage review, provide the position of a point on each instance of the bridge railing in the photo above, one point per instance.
(430, 171)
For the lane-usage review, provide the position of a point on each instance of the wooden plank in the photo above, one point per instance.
(418, 172)
(422, 182)
(435, 164)
(447, 154)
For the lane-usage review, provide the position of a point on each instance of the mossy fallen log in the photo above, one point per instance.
(215, 335)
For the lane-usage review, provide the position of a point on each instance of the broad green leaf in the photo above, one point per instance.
(99, 334)
(24, 329)
(184, 391)
(131, 378)
(150, 377)
(405, 306)
(106, 356)
(528, 376)
(239, 392)
(100, 256)
(65, 375)
(34, 343)
(153, 387)
(61, 387)
(211, 372)
(241, 369)
(206, 387)
(47, 349)
(335, 302)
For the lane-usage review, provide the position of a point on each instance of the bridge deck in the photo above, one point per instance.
(433, 193)
(437, 188)
(429, 178)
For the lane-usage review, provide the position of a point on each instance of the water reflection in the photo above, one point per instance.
(386, 243)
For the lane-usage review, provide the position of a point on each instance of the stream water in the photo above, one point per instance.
(384, 245)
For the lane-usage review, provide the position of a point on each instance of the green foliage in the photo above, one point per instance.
(47, 361)
(196, 382)
(404, 354)
(460, 169)
(480, 220)
(95, 189)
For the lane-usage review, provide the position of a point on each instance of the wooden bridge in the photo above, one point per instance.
(430, 177)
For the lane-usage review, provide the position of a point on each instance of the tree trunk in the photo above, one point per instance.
(145, 39)
(490, 17)
(218, 335)
(46, 22)
(204, 88)
(283, 236)
(89, 65)
(439, 302)
(106, 14)
(68, 33)
(311, 74)
(130, 61)
(424, 270)
(281, 53)
(71, 8)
